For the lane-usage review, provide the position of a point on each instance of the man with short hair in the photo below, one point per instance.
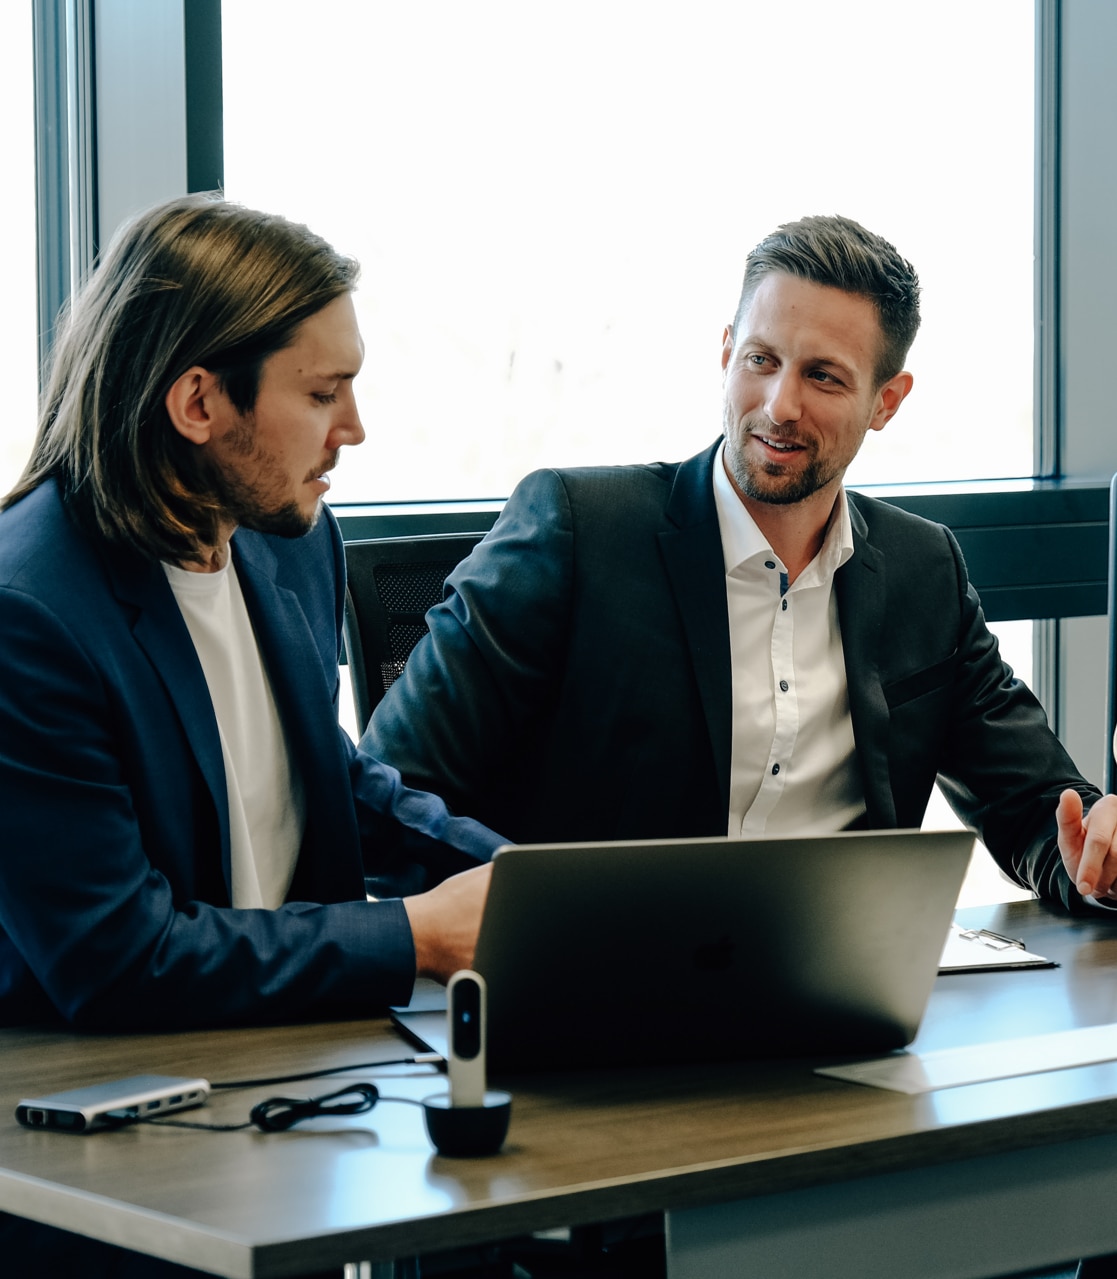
(187, 830)
(736, 643)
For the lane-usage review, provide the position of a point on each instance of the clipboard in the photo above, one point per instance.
(980, 950)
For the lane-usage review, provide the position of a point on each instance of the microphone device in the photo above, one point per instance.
(470, 1119)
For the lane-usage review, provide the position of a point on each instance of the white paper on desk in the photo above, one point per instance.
(978, 1063)
(967, 950)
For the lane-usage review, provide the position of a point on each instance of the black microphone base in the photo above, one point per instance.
(468, 1130)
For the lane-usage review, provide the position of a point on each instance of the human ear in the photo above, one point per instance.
(889, 398)
(195, 405)
(726, 346)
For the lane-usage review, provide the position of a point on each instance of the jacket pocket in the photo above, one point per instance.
(901, 691)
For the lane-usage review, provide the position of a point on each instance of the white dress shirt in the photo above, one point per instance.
(793, 768)
(266, 805)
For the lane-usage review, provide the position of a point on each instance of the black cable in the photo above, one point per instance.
(277, 1114)
(420, 1059)
(158, 1122)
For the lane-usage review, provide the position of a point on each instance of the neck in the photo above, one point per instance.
(796, 531)
(211, 559)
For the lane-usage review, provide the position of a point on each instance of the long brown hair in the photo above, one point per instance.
(195, 281)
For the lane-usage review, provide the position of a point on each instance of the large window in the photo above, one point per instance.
(552, 204)
(18, 337)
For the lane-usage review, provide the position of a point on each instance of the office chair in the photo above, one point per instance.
(391, 582)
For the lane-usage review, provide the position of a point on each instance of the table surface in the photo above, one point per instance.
(584, 1146)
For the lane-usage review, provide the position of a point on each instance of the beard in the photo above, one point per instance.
(253, 496)
(770, 482)
(286, 520)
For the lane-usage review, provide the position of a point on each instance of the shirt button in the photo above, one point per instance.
(775, 769)
(783, 605)
(783, 686)
(769, 564)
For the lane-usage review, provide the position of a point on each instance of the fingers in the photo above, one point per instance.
(1068, 816)
(1088, 845)
(445, 922)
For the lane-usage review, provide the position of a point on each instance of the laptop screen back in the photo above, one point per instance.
(702, 949)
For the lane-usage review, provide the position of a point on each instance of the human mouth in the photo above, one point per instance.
(320, 476)
(777, 445)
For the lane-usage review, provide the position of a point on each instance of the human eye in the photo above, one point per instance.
(757, 360)
(324, 397)
(824, 377)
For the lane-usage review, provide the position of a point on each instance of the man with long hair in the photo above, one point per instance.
(187, 830)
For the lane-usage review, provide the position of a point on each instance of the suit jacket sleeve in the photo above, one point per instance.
(101, 930)
(953, 708)
(456, 716)
(114, 904)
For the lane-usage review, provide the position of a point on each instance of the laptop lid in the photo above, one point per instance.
(699, 949)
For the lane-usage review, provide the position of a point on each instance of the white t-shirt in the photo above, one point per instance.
(266, 802)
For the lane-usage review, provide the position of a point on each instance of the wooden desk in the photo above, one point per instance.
(711, 1145)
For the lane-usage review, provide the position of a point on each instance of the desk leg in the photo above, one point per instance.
(965, 1220)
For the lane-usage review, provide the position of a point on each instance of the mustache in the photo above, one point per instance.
(331, 462)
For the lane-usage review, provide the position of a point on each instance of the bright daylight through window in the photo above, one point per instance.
(552, 204)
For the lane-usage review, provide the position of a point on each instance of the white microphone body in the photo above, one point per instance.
(465, 1063)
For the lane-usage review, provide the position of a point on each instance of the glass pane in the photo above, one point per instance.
(18, 316)
(984, 881)
(552, 205)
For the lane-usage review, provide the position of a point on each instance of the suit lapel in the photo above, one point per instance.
(860, 587)
(330, 868)
(161, 632)
(692, 557)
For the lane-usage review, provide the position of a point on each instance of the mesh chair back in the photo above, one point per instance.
(392, 582)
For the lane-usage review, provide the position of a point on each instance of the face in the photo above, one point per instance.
(800, 390)
(270, 465)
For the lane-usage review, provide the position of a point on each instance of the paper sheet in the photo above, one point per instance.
(973, 950)
(951, 1067)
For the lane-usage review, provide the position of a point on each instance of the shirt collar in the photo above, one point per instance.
(742, 540)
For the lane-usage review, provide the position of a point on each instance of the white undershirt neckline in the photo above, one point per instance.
(793, 766)
(266, 802)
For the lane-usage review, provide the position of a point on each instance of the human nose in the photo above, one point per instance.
(348, 429)
(784, 402)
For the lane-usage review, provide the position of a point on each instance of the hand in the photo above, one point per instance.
(1089, 844)
(445, 922)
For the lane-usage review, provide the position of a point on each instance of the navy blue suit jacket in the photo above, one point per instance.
(576, 682)
(114, 837)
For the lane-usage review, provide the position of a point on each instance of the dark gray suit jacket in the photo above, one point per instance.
(576, 683)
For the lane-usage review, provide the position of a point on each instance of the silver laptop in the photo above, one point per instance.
(701, 949)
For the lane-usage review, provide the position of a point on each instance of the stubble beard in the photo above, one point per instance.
(246, 503)
(770, 482)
